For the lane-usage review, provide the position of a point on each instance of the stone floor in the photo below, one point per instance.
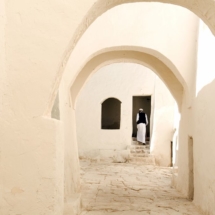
(130, 189)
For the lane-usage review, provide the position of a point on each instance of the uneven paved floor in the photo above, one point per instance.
(129, 189)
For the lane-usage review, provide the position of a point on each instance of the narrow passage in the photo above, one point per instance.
(130, 189)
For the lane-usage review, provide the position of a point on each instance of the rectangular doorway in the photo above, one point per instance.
(143, 102)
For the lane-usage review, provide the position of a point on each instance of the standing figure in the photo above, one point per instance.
(142, 122)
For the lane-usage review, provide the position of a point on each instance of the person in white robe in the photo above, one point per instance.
(142, 122)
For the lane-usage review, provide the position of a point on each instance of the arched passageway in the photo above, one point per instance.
(157, 56)
(123, 81)
(152, 59)
(32, 29)
(149, 58)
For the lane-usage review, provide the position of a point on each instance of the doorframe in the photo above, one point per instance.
(151, 117)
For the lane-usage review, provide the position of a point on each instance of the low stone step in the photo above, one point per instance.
(144, 151)
(146, 145)
(143, 147)
(136, 142)
(143, 160)
(139, 155)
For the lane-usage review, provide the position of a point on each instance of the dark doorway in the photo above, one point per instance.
(111, 111)
(145, 103)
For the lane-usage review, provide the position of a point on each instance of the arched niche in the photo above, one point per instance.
(110, 114)
(146, 57)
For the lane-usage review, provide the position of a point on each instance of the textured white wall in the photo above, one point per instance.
(71, 160)
(31, 161)
(198, 122)
(163, 124)
(122, 81)
(204, 123)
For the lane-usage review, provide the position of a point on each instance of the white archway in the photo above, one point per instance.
(203, 9)
(146, 57)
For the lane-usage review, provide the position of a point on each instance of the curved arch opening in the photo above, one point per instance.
(155, 61)
(124, 81)
(103, 100)
(204, 10)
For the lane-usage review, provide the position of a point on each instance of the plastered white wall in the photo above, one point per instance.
(32, 149)
(204, 123)
(198, 122)
(71, 160)
(163, 124)
(122, 81)
(31, 168)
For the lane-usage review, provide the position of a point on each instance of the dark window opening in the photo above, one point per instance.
(111, 111)
(145, 103)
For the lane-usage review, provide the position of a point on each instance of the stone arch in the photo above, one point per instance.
(204, 9)
(146, 57)
(103, 100)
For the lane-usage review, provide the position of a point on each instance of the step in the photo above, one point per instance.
(139, 155)
(137, 143)
(146, 147)
(149, 160)
(144, 151)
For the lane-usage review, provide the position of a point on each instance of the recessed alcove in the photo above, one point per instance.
(111, 111)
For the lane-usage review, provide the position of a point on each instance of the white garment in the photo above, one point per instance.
(141, 130)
